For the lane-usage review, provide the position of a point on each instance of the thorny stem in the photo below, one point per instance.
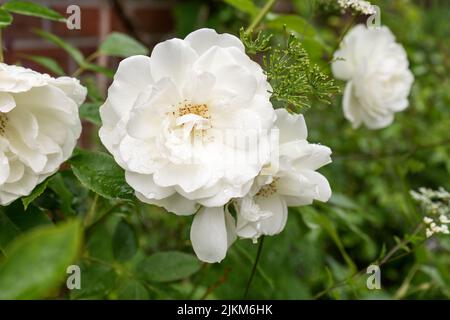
(262, 13)
(386, 259)
(255, 265)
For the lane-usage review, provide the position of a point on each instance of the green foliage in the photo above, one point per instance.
(5, 18)
(36, 262)
(32, 9)
(90, 111)
(294, 80)
(168, 266)
(246, 6)
(133, 290)
(120, 45)
(35, 194)
(70, 49)
(292, 23)
(99, 172)
(261, 43)
(136, 251)
(48, 63)
(124, 242)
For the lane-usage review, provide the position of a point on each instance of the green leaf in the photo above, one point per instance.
(48, 63)
(90, 111)
(121, 45)
(96, 68)
(71, 50)
(32, 9)
(99, 172)
(125, 242)
(26, 219)
(35, 194)
(97, 280)
(37, 261)
(5, 18)
(168, 266)
(57, 185)
(292, 23)
(133, 290)
(8, 230)
(94, 92)
(246, 6)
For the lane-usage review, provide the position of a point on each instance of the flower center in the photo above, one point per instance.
(3, 123)
(269, 189)
(186, 108)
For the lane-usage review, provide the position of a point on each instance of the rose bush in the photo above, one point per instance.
(234, 135)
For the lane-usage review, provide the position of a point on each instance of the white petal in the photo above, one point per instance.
(209, 235)
(352, 109)
(4, 168)
(71, 88)
(317, 157)
(174, 203)
(322, 187)
(291, 126)
(277, 206)
(144, 184)
(203, 39)
(7, 102)
(172, 59)
(133, 76)
(189, 177)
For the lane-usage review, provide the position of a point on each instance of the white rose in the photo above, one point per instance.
(296, 183)
(378, 79)
(165, 119)
(39, 127)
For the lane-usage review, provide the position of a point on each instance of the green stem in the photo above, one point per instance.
(91, 213)
(262, 13)
(255, 265)
(89, 59)
(387, 258)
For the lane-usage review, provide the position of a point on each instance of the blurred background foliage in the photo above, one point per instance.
(135, 251)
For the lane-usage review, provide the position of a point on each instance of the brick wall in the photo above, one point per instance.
(149, 20)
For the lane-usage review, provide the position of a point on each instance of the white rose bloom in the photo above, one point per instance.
(39, 127)
(296, 183)
(164, 119)
(377, 74)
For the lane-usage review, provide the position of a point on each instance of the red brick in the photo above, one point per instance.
(157, 20)
(22, 27)
(90, 19)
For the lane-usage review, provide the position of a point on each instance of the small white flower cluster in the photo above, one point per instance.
(436, 203)
(358, 5)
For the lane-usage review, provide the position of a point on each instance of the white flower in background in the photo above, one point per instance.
(365, 7)
(39, 127)
(264, 210)
(436, 204)
(164, 122)
(377, 74)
